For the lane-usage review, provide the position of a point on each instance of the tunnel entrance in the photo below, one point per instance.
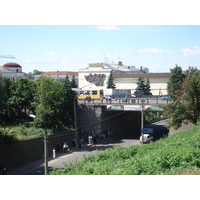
(124, 124)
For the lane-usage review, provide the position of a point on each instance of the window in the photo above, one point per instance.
(94, 92)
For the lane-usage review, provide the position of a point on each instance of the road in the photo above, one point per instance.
(37, 167)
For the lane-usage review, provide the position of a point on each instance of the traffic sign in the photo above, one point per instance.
(146, 130)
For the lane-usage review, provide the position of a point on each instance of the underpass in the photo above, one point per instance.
(120, 117)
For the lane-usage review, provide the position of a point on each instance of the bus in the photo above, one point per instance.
(92, 94)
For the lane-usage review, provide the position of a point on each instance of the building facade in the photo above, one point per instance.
(13, 71)
(95, 77)
(59, 75)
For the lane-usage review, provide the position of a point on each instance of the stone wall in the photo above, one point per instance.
(24, 152)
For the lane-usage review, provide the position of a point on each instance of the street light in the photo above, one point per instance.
(45, 145)
(142, 119)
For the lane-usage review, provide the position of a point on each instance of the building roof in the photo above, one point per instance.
(12, 65)
(143, 75)
(58, 73)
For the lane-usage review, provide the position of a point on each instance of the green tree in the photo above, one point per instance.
(3, 98)
(51, 97)
(22, 94)
(73, 82)
(148, 87)
(68, 104)
(110, 82)
(186, 104)
(141, 87)
(176, 79)
(191, 96)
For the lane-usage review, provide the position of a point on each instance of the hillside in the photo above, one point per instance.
(178, 154)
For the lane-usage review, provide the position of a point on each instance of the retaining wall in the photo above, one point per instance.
(24, 152)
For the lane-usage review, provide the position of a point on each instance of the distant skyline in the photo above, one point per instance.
(72, 47)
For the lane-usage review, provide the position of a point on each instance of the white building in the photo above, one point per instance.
(13, 71)
(95, 77)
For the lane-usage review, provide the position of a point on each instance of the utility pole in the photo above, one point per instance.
(142, 120)
(46, 171)
(75, 124)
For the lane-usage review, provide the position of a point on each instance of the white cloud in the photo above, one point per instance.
(107, 28)
(28, 61)
(64, 62)
(189, 52)
(51, 53)
(150, 50)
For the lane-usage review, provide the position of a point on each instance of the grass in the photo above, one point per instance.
(178, 154)
(24, 131)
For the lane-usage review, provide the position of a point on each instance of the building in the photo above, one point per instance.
(13, 71)
(59, 75)
(95, 77)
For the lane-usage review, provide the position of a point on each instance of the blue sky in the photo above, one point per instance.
(71, 47)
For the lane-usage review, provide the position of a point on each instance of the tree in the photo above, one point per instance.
(176, 79)
(30, 75)
(186, 104)
(191, 96)
(68, 104)
(110, 82)
(22, 94)
(3, 98)
(51, 97)
(73, 82)
(148, 88)
(143, 88)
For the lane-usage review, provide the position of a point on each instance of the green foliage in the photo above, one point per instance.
(110, 82)
(185, 90)
(22, 94)
(143, 88)
(167, 156)
(151, 116)
(175, 81)
(6, 136)
(55, 101)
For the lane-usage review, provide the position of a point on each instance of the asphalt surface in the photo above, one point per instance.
(37, 167)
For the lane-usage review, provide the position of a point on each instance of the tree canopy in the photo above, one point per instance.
(110, 82)
(143, 88)
(184, 88)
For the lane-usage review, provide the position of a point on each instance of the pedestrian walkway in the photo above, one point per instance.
(37, 167)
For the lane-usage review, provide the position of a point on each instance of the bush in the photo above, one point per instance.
(7, 139)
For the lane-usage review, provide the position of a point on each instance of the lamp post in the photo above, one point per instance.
(142, 119)
(75, 124)
(45, 145)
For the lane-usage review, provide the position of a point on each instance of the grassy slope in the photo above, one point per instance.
(178, 154)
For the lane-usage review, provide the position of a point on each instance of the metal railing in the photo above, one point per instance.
(137, 101)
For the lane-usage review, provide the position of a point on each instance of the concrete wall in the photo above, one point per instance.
(120, 122)
(23, 152)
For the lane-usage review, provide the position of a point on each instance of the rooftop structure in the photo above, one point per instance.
(13, 71)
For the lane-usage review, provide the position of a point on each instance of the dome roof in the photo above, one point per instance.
(12, 65)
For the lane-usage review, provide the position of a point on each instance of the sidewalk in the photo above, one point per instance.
(37, 167)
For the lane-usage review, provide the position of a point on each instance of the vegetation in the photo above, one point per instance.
(50, 100)
(178, 154)
(143, 88)
(110, 82)
(184, 88)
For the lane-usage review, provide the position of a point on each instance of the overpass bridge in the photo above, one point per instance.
(136, 104)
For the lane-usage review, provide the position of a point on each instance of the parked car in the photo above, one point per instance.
(146, 138)
(165, 98)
